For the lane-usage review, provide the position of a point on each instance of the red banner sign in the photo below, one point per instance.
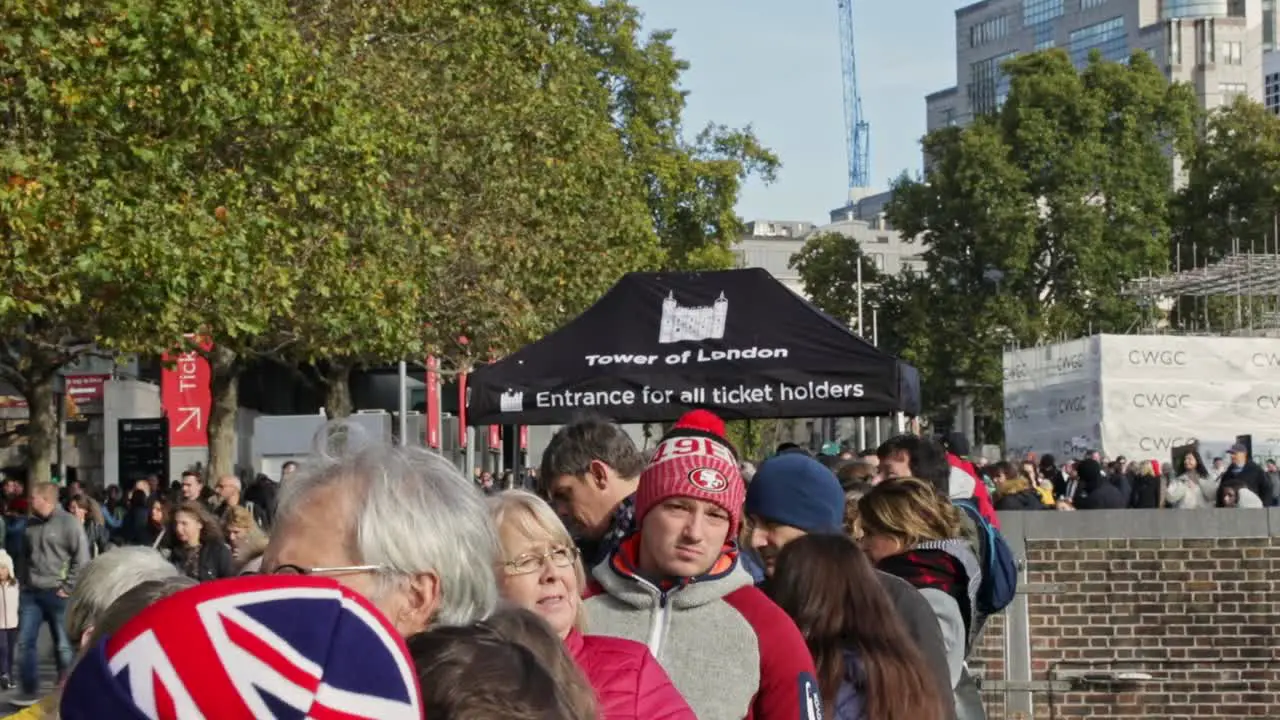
(433, 403)
(186, 397)
(462, 410)
(524, 437)
(495, 437)
(86, 388)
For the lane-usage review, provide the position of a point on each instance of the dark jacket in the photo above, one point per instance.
(1104, 497)
(1252, 477)
(214, 562)
(1024, 500)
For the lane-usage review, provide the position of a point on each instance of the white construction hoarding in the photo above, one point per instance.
(1142, 395)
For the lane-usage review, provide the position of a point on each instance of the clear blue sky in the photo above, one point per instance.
(775, 65)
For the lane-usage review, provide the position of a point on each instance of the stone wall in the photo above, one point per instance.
(1138, 614)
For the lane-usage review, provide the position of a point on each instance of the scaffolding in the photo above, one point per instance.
(1248, 277)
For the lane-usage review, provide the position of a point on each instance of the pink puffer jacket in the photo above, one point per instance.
(629, 683)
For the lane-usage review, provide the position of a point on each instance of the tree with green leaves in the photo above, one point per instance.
(831, 266)
(1232, 189)
(541, 146)
(1034, 216)
(1230, 203)
(690, 187)
(204, 160)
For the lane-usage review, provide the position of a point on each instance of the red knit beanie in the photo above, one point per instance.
(694, 460)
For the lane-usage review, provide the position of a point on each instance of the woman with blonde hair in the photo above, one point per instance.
(246, 539)
(911, 531)
(542, 571)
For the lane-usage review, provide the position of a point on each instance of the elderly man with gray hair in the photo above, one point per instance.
(399, 525)
(105, 579)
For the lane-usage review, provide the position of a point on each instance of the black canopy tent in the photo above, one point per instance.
(737, 342)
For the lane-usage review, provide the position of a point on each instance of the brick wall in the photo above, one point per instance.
(1198, 614)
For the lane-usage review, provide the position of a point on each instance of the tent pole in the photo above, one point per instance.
(469, 454)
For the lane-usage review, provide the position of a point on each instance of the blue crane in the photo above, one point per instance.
(857, 129)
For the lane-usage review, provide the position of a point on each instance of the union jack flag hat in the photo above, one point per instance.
(258, 647)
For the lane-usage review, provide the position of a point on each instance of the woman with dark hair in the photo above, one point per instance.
(199, 551)
(868, 666)
(1194, 487)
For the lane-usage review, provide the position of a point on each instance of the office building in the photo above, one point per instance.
(1216, 46)
(1271, 81)
(770, 244)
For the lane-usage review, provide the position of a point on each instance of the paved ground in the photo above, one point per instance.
(48, 673)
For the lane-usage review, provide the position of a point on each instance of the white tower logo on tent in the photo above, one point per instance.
(692, 323)
(511, 402)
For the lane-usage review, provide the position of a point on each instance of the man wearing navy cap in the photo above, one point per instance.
(793, 495)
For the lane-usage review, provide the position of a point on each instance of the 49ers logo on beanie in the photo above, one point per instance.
(694, 460)
(709, 480)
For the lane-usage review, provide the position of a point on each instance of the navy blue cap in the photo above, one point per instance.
(796, 490)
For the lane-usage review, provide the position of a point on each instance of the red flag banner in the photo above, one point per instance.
(433, 403)
(186, 397)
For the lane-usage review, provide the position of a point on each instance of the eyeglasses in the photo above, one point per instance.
(533, 562)
(326, 571)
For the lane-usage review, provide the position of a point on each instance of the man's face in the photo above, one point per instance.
(1217, 463)
(317, 535)
(12, 488)
(227, 488)
(583, 502)
(896, 464)
(1271, 466)
(768, 539)
(42, 506)
(191, 487)
(682, 537)
(1239, 458)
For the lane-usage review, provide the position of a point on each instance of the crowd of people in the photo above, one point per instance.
(616, 583)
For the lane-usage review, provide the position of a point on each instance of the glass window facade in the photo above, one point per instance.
(1090, 4)
(1171, 9)
(1108, 37)
(1035, 12)
(988, 85)
(988, 30)
(1271, 93)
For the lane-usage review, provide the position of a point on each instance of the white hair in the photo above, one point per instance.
(106, 578)
(239, 484)
(415, 513)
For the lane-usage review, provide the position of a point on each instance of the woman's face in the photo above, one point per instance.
(187, 527)
(878, 547)
(1189, 462)
(157, 514)
(235, 534)
(79, 511)
(1230, 498)
(539, 575)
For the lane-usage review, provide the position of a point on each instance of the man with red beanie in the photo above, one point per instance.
(677, 585)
